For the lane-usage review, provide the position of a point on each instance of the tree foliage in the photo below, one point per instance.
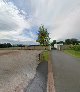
(5, 45)
(43, 36)
(60, 42)
(54, 42)
(73, 41)
(68, 41)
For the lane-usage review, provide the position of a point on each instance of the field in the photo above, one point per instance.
(17, 68)
(73, 53)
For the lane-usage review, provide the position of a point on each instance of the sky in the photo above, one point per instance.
(20, 19)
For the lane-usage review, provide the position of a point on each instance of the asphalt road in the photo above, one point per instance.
(66, 72)
(39, 83)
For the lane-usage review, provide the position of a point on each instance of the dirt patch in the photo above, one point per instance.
(7, 52)
(17, 68)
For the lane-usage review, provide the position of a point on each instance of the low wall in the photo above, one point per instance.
(38, 47)
(28, 48)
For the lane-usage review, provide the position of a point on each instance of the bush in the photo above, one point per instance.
(44, 56)
(76, 47)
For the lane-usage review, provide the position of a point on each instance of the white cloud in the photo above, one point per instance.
(61, 17)
(12, 22)
(68, 26)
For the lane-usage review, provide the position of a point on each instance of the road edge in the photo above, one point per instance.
(50, 81)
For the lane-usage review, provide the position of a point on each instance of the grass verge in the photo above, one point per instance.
(44, 56)
(73, 53)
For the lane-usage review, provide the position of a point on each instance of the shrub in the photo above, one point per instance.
(76, 47)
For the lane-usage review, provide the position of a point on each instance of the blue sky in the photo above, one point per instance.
(20, 19)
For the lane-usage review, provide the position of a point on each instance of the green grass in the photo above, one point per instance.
(73, 53)
(44, 56)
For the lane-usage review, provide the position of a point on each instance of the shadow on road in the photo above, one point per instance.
(39, 83)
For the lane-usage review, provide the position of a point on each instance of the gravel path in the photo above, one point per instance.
(17, 68)
(66, 72)
(39, 83)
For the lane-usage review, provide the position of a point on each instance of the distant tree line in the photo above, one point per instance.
(18, 45)
(72, 41)
(7, 45)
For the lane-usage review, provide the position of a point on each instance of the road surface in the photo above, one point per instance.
(39, 83)
(66, 71)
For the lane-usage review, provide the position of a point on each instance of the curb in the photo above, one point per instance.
(50, 81)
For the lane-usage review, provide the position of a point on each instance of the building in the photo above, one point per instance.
(58, 46)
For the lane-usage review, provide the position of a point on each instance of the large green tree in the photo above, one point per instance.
(43, 36)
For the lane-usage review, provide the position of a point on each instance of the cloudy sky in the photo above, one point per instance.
(20, 19)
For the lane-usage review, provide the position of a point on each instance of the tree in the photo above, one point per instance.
(8, 45)
(74, 41)
(68, 41)
(5, 45)
(43, 36)
(60, 42)
(54, 42)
